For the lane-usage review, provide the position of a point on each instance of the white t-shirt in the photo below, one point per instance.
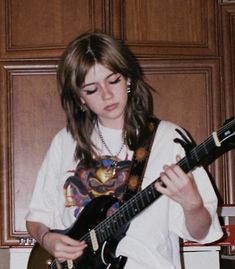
(152, 240)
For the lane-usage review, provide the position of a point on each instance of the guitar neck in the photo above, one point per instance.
(111, 225)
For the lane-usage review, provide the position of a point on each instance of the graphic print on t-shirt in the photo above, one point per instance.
(107, 177)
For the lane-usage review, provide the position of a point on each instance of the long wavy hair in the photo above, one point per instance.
(82, 54)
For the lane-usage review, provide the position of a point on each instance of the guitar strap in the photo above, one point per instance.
(139, 162)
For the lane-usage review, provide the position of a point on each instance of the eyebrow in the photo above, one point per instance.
(92, 83)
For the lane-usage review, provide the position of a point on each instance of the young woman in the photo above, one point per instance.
(108, 105)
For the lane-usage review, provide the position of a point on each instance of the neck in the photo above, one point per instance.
(112, 124)
(106, 146)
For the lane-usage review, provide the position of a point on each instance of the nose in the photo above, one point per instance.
(106, 92)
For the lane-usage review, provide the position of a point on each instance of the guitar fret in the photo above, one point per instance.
(148, 198)
(127, 215)
(185, 164)
(115, 224)
(142, 202)
(194, 154)
(132, 211)
(101, 235)
(120, 220)
(205, 148)
(145, 198)
(152, 193)
(123, 217)
(135, 206)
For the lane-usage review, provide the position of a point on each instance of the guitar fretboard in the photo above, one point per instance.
(111, 225)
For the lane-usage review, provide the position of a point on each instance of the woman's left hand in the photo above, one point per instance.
(179, 186)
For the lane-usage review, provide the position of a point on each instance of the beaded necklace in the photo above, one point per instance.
(106, 146)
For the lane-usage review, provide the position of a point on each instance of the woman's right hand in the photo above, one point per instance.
(62, 247)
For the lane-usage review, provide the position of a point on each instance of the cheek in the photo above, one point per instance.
(88, 100)
(93, 104)
(122, 93)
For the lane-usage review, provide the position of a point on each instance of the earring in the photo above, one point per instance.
(128, 90)
(83, 107)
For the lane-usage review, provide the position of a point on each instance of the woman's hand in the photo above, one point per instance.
(62, 247)
(181, 187)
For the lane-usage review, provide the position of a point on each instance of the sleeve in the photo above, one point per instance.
(177, 220)
(43, 203)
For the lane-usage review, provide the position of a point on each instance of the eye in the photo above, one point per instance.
(115, 80)
(90, 91)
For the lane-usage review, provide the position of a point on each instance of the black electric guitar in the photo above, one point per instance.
(102, 233)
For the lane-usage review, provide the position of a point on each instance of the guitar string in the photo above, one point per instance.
(125, 207)
(121, 209)
(52, 264)
(103, 224)
(132, 201)
(183, 161)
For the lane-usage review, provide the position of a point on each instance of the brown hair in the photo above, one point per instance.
(82, 54)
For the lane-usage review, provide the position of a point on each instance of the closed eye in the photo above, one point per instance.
(116, 80)
(89, 92)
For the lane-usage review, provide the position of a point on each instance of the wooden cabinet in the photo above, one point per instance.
(186, 50)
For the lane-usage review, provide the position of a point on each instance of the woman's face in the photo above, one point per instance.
(105, 93)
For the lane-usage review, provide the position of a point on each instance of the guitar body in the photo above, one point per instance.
(39, 258)
(103, 257)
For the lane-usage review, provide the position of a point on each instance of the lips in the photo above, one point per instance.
(111, 107)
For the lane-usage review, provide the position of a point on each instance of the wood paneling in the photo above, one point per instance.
(188, 93)
(32, 116)
(228, 34)
(167, 28)
(43, 28)
(226, 1)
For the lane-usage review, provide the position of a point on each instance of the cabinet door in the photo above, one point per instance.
(228, 56)
(35, 29)
(188, 93)
(30, 116)
(166, 28)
